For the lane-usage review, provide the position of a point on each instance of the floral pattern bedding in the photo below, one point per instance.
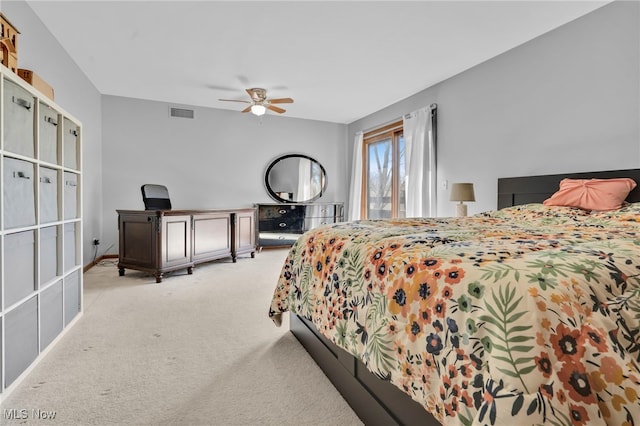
(525, 315)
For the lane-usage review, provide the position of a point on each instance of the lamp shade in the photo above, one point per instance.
(462, 192)
(258, 109)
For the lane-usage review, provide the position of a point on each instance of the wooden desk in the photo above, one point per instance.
(159, 241)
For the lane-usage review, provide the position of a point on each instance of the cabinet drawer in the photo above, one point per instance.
(274, 239)
(48, 123)
(18, 120)
(70, 139)
(72, 300)
(21, 339)
(281, 211)
(70, 195)
(51, 314)
(48, 248)
(314, 222)
(19, 193)
(19, 266)
(285, 224)
(69, 240)
(48, 195)
(321, 210)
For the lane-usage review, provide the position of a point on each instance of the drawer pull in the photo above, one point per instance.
(282, 225)
(20, 175)
(22, 102)
(74, 132)
(45, 179)
(70, 183)
(282, 211)
(281, 237)
(50, 120)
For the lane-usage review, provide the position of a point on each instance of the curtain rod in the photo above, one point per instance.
(431, 107)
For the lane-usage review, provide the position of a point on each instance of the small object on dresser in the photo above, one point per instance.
(36, 81)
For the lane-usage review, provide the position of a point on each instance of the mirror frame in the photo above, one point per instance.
(279, 199)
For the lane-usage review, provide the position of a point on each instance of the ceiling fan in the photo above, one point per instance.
(259, 102)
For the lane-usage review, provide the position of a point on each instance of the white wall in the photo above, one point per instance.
(40, 52)
(217, 160)
(567, 101)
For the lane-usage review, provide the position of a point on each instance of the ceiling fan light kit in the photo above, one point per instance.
(260, 103)
(258, 109)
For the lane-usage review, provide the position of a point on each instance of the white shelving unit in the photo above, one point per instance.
(40, 226)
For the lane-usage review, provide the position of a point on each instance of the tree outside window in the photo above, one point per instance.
(385, 173)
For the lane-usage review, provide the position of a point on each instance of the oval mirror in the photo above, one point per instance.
(295, 178)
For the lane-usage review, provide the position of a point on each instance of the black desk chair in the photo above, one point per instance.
(155, 197)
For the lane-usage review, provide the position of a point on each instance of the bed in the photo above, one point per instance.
(528, 314)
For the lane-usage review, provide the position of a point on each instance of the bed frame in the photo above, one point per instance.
(378, 402)
(516, 191)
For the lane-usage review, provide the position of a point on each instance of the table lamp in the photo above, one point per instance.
(462, 192)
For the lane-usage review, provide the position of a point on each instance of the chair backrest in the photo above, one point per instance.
(155, 197)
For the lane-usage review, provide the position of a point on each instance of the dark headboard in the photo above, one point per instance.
(515, 191)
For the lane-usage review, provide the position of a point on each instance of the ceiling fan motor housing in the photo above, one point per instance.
(259, 98)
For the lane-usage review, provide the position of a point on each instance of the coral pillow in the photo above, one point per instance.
(592, 194)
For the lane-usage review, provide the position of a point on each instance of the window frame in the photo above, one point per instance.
(393, 131)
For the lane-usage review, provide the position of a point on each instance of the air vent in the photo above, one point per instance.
(181, 113)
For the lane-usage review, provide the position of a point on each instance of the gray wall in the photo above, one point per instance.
(567, 101)
(39, 51)
(216, 160)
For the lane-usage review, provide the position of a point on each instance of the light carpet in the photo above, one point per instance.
(193, 350)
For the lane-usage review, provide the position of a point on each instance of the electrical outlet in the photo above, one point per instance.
(96, 242)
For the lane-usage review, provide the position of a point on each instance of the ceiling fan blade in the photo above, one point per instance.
(281, 101)
(234, 100)
(275, 109)
(247, 109)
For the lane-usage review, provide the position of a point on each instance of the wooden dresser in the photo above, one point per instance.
(159, 241)
(282, 224)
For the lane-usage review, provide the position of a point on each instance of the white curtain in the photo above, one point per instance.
(419, 140)
(355, 192)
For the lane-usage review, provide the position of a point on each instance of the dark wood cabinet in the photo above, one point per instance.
(282, 224)
(167, 240)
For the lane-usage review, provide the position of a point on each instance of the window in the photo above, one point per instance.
(384, 181)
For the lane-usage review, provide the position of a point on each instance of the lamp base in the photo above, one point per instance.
(461, 210)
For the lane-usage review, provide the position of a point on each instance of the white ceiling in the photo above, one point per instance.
(339, 60)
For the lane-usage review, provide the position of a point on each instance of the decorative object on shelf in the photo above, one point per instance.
(8, 44)
(36, 81)
(295, 178)
(259, 102)
(462, 192)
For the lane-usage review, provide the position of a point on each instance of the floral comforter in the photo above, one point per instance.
(526, 315)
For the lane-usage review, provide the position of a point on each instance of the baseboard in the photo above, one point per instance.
(98, 260)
